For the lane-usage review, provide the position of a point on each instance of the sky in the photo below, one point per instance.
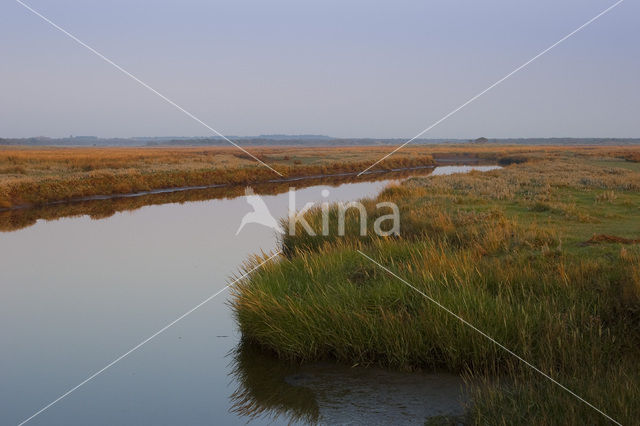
(341, 68)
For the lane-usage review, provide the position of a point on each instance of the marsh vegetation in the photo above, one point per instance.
(36, 176)
(540, 255)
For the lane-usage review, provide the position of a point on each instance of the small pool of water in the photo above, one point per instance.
(450, 170)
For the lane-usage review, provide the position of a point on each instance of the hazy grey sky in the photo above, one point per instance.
(342, 68)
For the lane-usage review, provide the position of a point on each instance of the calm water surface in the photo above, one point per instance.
(76, 293)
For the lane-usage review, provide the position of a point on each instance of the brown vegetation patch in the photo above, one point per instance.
(35, 176)
(604, 238)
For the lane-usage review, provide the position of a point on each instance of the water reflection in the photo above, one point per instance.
(327, 393)
(12, 220)
(76, 293)
(263, 391)
(449, 170)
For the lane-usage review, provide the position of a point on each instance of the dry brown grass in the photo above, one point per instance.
(540, 180)
(40, 175)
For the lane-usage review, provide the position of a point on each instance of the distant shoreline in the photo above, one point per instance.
(299, 141)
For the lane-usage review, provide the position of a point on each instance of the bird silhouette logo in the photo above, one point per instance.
(260, 213)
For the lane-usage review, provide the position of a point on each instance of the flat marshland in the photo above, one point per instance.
(40, 175)
(540, 255)
(36, 176)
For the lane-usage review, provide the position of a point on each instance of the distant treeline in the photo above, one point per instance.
(299, 140)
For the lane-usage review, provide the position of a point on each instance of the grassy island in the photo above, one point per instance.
(541, 255)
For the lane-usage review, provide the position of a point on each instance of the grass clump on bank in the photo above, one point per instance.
(510, 251)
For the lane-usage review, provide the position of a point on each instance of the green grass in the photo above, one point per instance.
(616, 163)
(505, 250)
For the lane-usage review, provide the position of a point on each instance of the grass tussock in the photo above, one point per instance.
(505, 251)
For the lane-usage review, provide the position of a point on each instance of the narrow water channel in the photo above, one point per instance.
(79, 291)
